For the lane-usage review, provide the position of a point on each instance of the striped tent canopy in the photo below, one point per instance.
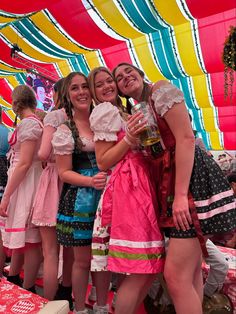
(178, 40)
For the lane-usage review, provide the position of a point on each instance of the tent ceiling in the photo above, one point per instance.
(181, 41)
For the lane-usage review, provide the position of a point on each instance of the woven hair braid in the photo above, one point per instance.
(75, 132)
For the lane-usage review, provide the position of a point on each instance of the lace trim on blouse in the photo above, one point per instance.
(105, 122)
(63, 142)
(166, 97)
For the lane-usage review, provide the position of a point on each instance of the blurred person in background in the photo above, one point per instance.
(4, 147)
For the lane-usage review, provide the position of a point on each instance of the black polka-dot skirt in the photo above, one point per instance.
(213, 199)
(76, 213)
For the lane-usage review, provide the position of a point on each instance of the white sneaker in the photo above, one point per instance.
(92, 294)
(113, 303)
(98, 309)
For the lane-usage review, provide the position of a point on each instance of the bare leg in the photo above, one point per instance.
(68, 260)
(50, 264)
(198, 281)
(182, 273)
(17, 261)
(80, 275)
(33, 259)
(2, 256)
(101, 280)
(144, 291)
(131, 289)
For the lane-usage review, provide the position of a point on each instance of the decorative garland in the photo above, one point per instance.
(229, 60)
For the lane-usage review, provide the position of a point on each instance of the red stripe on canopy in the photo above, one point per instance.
(120, 53)
(79, 25)
(217, 83)
(7, 120)
(227, 118)
(229, 140)
(5, 91)
(202, 8)
(25, 6)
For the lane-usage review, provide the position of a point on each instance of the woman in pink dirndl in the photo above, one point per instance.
(45, 207)
(127, 212)
(19, 234)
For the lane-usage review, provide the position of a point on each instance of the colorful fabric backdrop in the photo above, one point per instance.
(178, 40)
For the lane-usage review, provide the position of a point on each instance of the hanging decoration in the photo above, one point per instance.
(229, 60)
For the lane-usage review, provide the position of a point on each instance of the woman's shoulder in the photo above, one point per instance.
(105, 122)
(29, 129)
(104, 109)
(55, 118)
(104, 115)
(165, 95)
(62, 141)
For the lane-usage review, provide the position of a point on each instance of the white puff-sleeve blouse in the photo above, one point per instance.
(166, 97)
(105, 122)
(55, 118)
(63, 141)
(29, 130)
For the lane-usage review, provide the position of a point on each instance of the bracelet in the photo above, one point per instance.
(125, 138)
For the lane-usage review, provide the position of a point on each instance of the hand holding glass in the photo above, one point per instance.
(150, 135)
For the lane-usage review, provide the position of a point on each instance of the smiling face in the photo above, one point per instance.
(105, 87)
(79, 93)
(129, 81)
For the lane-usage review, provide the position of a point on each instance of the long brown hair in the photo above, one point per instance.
(146, 88)
(68, 106)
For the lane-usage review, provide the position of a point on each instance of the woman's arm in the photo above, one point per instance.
(46, 143)
(27, 150)
(109, 154)
(67, 175)
(179, 123)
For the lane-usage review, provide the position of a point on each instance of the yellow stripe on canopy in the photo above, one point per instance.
(120, 25)
(7, 19)
(92, 59)
(115, 19)
(146, 60)
(12, 36)
(8, 68)
(11, 115)
(5, 103)
(200, 87)
(214, 139)
(64, 67)
(209, 119)
(45, 25)
(170, 11)
(12, 81)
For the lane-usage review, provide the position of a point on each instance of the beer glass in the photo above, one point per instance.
(150, 134)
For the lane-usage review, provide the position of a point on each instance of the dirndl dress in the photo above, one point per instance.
(78, 204)
(19, 230)
(126, 236)
(211, 199)
(47, 196)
